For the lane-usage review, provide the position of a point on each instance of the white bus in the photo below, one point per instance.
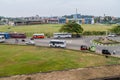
(2, 39)
(57, 43)
(62, 35)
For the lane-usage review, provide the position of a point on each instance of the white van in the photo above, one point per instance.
(62, 35)
(2, 39)
(57, 43)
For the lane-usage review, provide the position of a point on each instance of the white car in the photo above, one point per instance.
(2, 39)
(112, 35)
(31, 42)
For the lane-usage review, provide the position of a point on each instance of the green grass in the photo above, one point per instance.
(51, 28)
(15, 59)
(32, 28)
(96, 27)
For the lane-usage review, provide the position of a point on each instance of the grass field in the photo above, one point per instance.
(96, 27)
(15, 59)
(51, 28)
(43, 28)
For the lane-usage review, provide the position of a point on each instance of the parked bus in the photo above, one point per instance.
(17, 35)
(2, 39)
(62, 35)
(6, 35)
(57, 43)
(38, 36)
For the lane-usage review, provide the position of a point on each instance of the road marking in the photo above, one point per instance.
(69, 41)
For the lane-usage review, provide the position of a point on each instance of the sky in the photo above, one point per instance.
(26, 8)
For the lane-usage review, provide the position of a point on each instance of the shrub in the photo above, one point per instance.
(94, 33)
(48, 35)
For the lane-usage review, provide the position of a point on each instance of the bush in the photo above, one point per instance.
(48, 35)
(29, 34)
(115, 29)
(94, 33)
(76, 35)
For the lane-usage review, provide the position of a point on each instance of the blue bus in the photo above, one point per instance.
(6, 35)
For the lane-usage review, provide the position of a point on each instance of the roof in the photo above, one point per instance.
(39, 34)
(57, 40)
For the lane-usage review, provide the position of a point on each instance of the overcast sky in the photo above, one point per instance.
(19, 8)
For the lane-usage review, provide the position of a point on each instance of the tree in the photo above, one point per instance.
(97, 19)
(72, 27)
(115, 29)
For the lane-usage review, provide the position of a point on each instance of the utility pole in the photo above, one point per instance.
(104, 15)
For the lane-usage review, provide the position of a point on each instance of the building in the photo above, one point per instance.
(80, 19)
(62, 20)
(52, 20)
(29, 20)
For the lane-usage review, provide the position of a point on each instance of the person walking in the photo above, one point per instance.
(114, 52)
(16, 41)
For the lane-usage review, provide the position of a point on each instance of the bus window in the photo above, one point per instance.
(17, 35)
(62, 35)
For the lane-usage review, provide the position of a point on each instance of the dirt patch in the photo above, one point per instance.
(74, 74)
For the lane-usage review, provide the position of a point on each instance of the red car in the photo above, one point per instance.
(83, 47)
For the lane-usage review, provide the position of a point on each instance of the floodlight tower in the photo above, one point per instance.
(76, 18)
(76, 15)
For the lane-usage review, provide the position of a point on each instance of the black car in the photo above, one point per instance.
(105, 51)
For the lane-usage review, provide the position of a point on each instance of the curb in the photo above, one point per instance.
(97, 43)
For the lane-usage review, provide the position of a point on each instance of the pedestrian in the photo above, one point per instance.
(114, 52)
(16, 40)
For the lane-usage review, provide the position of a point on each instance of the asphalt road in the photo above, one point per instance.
(111, 48)
(75, 43)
